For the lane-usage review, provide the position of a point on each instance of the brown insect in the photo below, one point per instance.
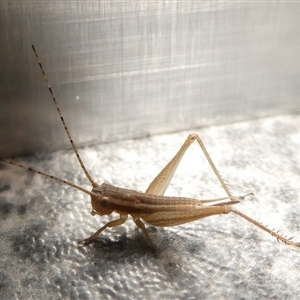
(152, 206)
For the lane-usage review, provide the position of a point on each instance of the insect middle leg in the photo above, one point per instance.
(141, 225)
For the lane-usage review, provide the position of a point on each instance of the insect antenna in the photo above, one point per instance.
(89, 177)
(49, 176)
(70, 139)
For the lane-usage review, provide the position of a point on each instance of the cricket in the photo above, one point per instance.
(152, 207)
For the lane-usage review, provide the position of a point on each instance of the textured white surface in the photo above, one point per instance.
(221, 257)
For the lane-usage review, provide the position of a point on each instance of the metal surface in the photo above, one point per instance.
(127, 69)
(221, 257)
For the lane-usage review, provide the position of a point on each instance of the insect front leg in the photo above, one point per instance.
(141, 225)
(113, 223)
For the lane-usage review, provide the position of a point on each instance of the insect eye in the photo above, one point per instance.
(104, 203)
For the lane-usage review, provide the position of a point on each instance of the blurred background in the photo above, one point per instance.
(130, 69)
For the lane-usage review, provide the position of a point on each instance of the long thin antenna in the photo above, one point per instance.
(94, 184)
(49, 176)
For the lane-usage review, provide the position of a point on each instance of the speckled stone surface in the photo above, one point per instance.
(221, 257)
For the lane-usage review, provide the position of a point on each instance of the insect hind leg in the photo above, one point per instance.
(160, 183)
(279, 237)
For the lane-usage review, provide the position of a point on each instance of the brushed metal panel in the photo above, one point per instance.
(132, 68)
